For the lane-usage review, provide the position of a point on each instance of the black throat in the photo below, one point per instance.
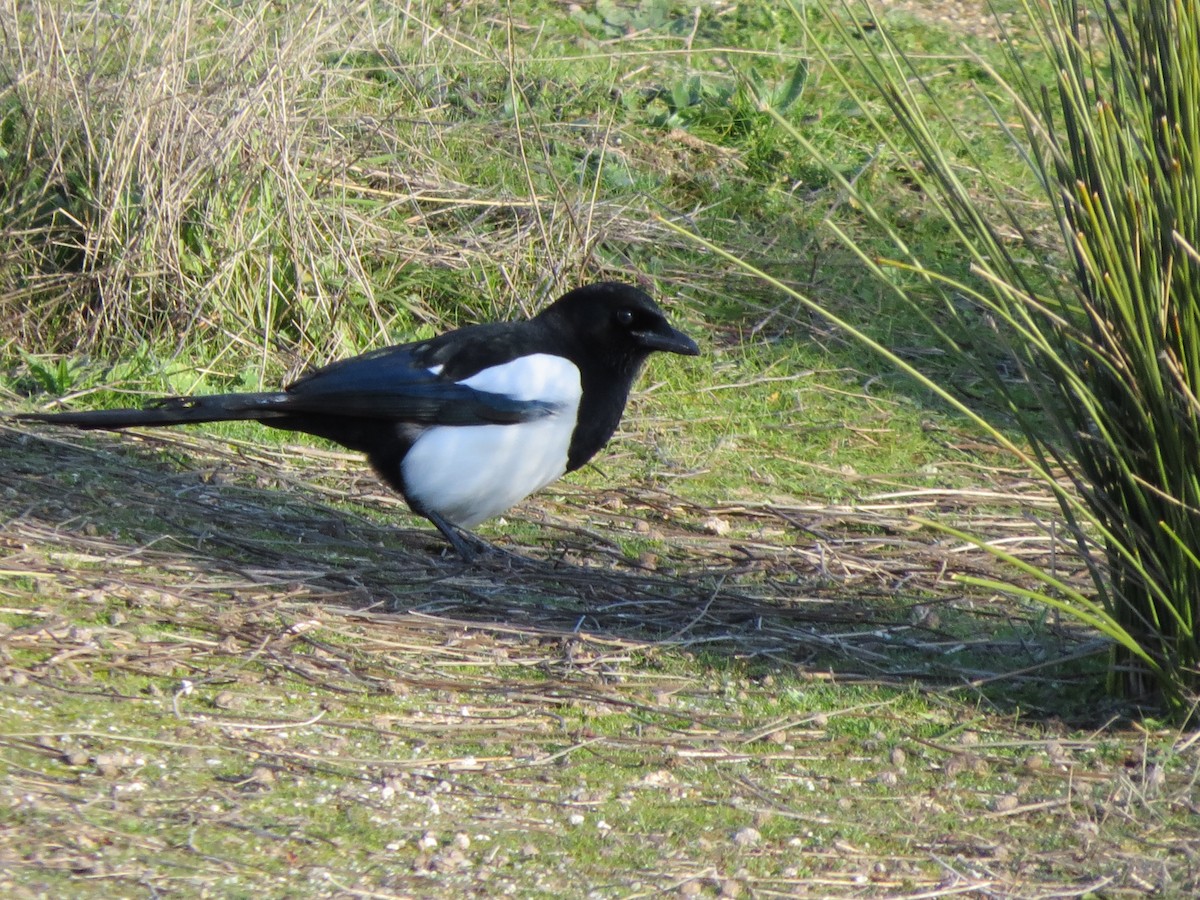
(606, 381)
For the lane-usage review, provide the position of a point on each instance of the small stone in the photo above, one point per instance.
(715, 525)
(111, 763)
(925, 616)
(747, 837)
(898, 757)
(657, 778)
(957, 764)
(449, 861)
(428, 841)
(1004, 803)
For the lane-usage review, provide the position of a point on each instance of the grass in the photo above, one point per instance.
(726, 660)
(525, 741)
(1109, 380)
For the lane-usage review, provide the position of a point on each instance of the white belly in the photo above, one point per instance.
(470, 473)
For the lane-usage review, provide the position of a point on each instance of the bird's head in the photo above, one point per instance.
(617, 322)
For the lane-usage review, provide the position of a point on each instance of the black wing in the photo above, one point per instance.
(401, 384)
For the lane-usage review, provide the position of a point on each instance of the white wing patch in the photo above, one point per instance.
(542, 376)
(470, 473)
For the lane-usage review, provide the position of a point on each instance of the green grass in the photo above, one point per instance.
(1079, 316)
(350, 798)
(234, 665)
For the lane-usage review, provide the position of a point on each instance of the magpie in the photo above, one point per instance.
(466, 424)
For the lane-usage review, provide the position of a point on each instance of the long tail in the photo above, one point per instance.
(173, 411)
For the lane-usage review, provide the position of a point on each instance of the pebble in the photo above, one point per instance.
(747, 837)
(1004, 803)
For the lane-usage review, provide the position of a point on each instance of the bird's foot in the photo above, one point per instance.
(468, 546)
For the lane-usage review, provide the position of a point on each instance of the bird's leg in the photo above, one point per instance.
(464, 543)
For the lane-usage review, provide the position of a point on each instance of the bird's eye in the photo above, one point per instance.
(625, 316)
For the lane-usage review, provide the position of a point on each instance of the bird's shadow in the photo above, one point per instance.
(748, 587)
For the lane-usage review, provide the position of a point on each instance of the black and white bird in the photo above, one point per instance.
(468, 423)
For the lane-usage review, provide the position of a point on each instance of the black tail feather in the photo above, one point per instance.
(173, 411)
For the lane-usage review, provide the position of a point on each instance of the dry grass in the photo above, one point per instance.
(226, 630)
(639, 563)
(186, 174)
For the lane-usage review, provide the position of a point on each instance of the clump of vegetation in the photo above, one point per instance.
(1104, 323)
(147, 191)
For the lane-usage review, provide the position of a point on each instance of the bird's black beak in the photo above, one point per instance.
(668, 340)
